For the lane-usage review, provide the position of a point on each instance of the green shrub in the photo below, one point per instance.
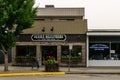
(25, 57)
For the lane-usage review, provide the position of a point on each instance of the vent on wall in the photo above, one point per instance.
(49, 6)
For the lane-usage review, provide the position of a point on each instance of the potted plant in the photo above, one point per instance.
(51, 64)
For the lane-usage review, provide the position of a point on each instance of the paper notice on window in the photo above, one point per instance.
(112, 51)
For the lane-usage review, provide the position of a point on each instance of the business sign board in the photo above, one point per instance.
(48, 37)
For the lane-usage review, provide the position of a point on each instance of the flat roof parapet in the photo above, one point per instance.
(51, 11)
(103, 30)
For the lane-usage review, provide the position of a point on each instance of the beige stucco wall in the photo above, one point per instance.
(60, 27)
(57, 18)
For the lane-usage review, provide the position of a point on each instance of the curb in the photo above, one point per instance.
(31, 74)
(92, 72)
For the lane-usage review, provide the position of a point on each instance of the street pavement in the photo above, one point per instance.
(27, 71)
(66, 77)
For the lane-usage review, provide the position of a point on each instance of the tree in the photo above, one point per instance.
(15, 16)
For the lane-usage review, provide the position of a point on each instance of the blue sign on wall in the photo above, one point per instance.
(99, 47)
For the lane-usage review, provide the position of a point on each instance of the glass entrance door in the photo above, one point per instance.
(48, 51)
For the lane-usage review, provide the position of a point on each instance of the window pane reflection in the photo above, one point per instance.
(104, 51)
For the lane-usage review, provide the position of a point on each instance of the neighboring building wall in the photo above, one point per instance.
(103, 48)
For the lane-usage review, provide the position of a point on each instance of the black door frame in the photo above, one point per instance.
(48, 50)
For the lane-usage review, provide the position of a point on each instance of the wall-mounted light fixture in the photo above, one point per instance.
(52, 29)
(43, 29)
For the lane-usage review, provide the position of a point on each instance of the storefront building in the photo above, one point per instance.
(52, 33)
(103, 48)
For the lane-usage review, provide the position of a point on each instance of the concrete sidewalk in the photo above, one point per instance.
(93, 70)
(14, 70)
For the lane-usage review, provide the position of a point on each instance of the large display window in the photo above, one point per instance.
(76, 54)
(25, 50)
(115, 51)
(25, 55)
(104, 51)
(99, 51)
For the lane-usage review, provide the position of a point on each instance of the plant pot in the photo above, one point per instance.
(54, 67)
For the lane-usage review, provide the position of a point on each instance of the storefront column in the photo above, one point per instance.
(13, 54)
(83, 54)
(59, 54)
(87, 52)
(38, 54)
